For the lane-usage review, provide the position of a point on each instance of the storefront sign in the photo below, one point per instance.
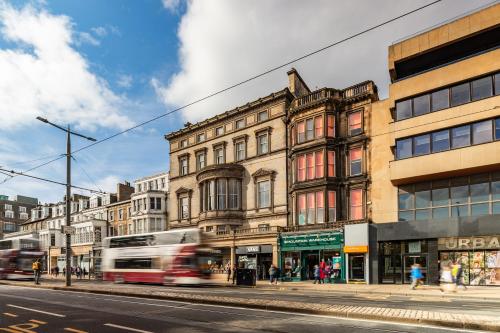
(253, 249)
(356, 249)
(325, 239)
(469, 243)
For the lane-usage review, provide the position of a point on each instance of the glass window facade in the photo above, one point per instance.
(220, 194)
(444, 98)
(456, 137)
(311, 207)
(461, 196)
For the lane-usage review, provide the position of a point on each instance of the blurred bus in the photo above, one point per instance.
(17, 256)
(167, 257)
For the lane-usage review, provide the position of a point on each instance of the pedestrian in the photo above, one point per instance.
(56, 269)
(78, 272)
(84, 272)
(446, 281)
(37, 270)
(272, 274)
(235, 274)
(228, 272)
(64, 271)
(316, 274)
(416, 275)
(328, 272)
(277, 274)
(459, 279)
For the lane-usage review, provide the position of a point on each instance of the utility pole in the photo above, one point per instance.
(68, 192)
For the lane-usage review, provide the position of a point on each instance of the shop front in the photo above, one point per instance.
(356, 253)
(434, 244)
(479, 257)
(300, 253)
(258, 257)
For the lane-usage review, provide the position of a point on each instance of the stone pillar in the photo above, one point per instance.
(233, 257)
(275, 255)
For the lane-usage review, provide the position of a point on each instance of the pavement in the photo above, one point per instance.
(36, 310)
(476, 308)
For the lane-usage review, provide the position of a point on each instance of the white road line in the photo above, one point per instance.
(127, 328)
(35, 310)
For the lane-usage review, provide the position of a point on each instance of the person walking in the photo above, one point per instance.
(57, 271)
(446, 280)
(228, 272)
(235, 274)
(37, 270)
(272, 274)
(459, 279)
(416, 275)
(316, 274)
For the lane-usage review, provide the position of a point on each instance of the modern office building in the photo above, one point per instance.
(435, 154)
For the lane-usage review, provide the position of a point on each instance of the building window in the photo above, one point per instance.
(219, 131)
(421, 105)
(332, 213)
(330, 126)
(184, 143)
(355, 123)
(482, 88)
(301, 168)
(9, 214)
(120, 214)
(460, 94)
(460, 136)
(440, 141)
(219, 155)
(309, 129)
(221, 193)
(152, 203)
(184, 168)
(320, 207)
(355, 161)
(111, 215)
(318, 127)
(209, 228)
(482, 132)
(263, 115)
(356, 204)
(158, 203)
(457, 197)
(264, 194)
(440, 100)
(301, 132)
(22, 209)
(240, 123)
(239, 148)
(8, 207)
(319, 164)
(403, 109)
(331, 163)
(456, 137)
(184, 208)
(9, 227)
(262, 143)
(201, 160)
(311, 208)
(23, 216)
(310, 166)
(301, 208)
(200, 137)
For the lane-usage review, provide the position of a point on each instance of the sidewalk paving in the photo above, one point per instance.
(445, 319)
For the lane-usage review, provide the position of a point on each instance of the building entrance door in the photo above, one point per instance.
(410, 260)
(357, 267)
(309, 260)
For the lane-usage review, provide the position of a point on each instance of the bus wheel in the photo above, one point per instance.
(118, 279)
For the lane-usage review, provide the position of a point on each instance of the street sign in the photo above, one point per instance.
(68, 230)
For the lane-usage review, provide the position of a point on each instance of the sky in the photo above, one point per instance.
(102, 67)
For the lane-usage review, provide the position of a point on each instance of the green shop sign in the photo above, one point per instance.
(320, 240)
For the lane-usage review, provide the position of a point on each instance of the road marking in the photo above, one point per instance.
(10, 314)
(38, 321)
(34, 310)
(127, 328)
(73, 330)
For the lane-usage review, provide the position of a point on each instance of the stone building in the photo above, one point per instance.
(14, 212)
(149, 204)
(329, 182)
(241, 175)
(435, 154)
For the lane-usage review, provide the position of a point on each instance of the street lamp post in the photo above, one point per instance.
(68, 190)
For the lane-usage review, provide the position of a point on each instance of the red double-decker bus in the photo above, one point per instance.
(17, 256)
(168, 257)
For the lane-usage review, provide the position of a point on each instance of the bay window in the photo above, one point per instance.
(331, 207)
(301, 132)
(320, 207)
(220, 194)
(309, 129)
(301, 168)
(310, 208)
(356, 204)
(331, 163)
(330, 124)
(301, 207)
(318, 127)
(319, 164)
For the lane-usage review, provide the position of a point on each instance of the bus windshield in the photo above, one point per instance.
(190, 236)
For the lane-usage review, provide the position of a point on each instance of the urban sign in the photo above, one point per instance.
(469, 243)
(253, 249)
(312, 240)
(68, 230)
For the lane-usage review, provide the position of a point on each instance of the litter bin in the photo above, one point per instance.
(246, 277)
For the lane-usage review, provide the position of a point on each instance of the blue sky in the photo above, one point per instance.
(103, 66)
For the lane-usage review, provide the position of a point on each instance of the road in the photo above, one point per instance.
(38, 310)
(449, 304)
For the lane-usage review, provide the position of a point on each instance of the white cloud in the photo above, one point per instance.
(86, 38)
(124, 81)
(224, 42)
(100, 31)
(42, 74)
(171, 5)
